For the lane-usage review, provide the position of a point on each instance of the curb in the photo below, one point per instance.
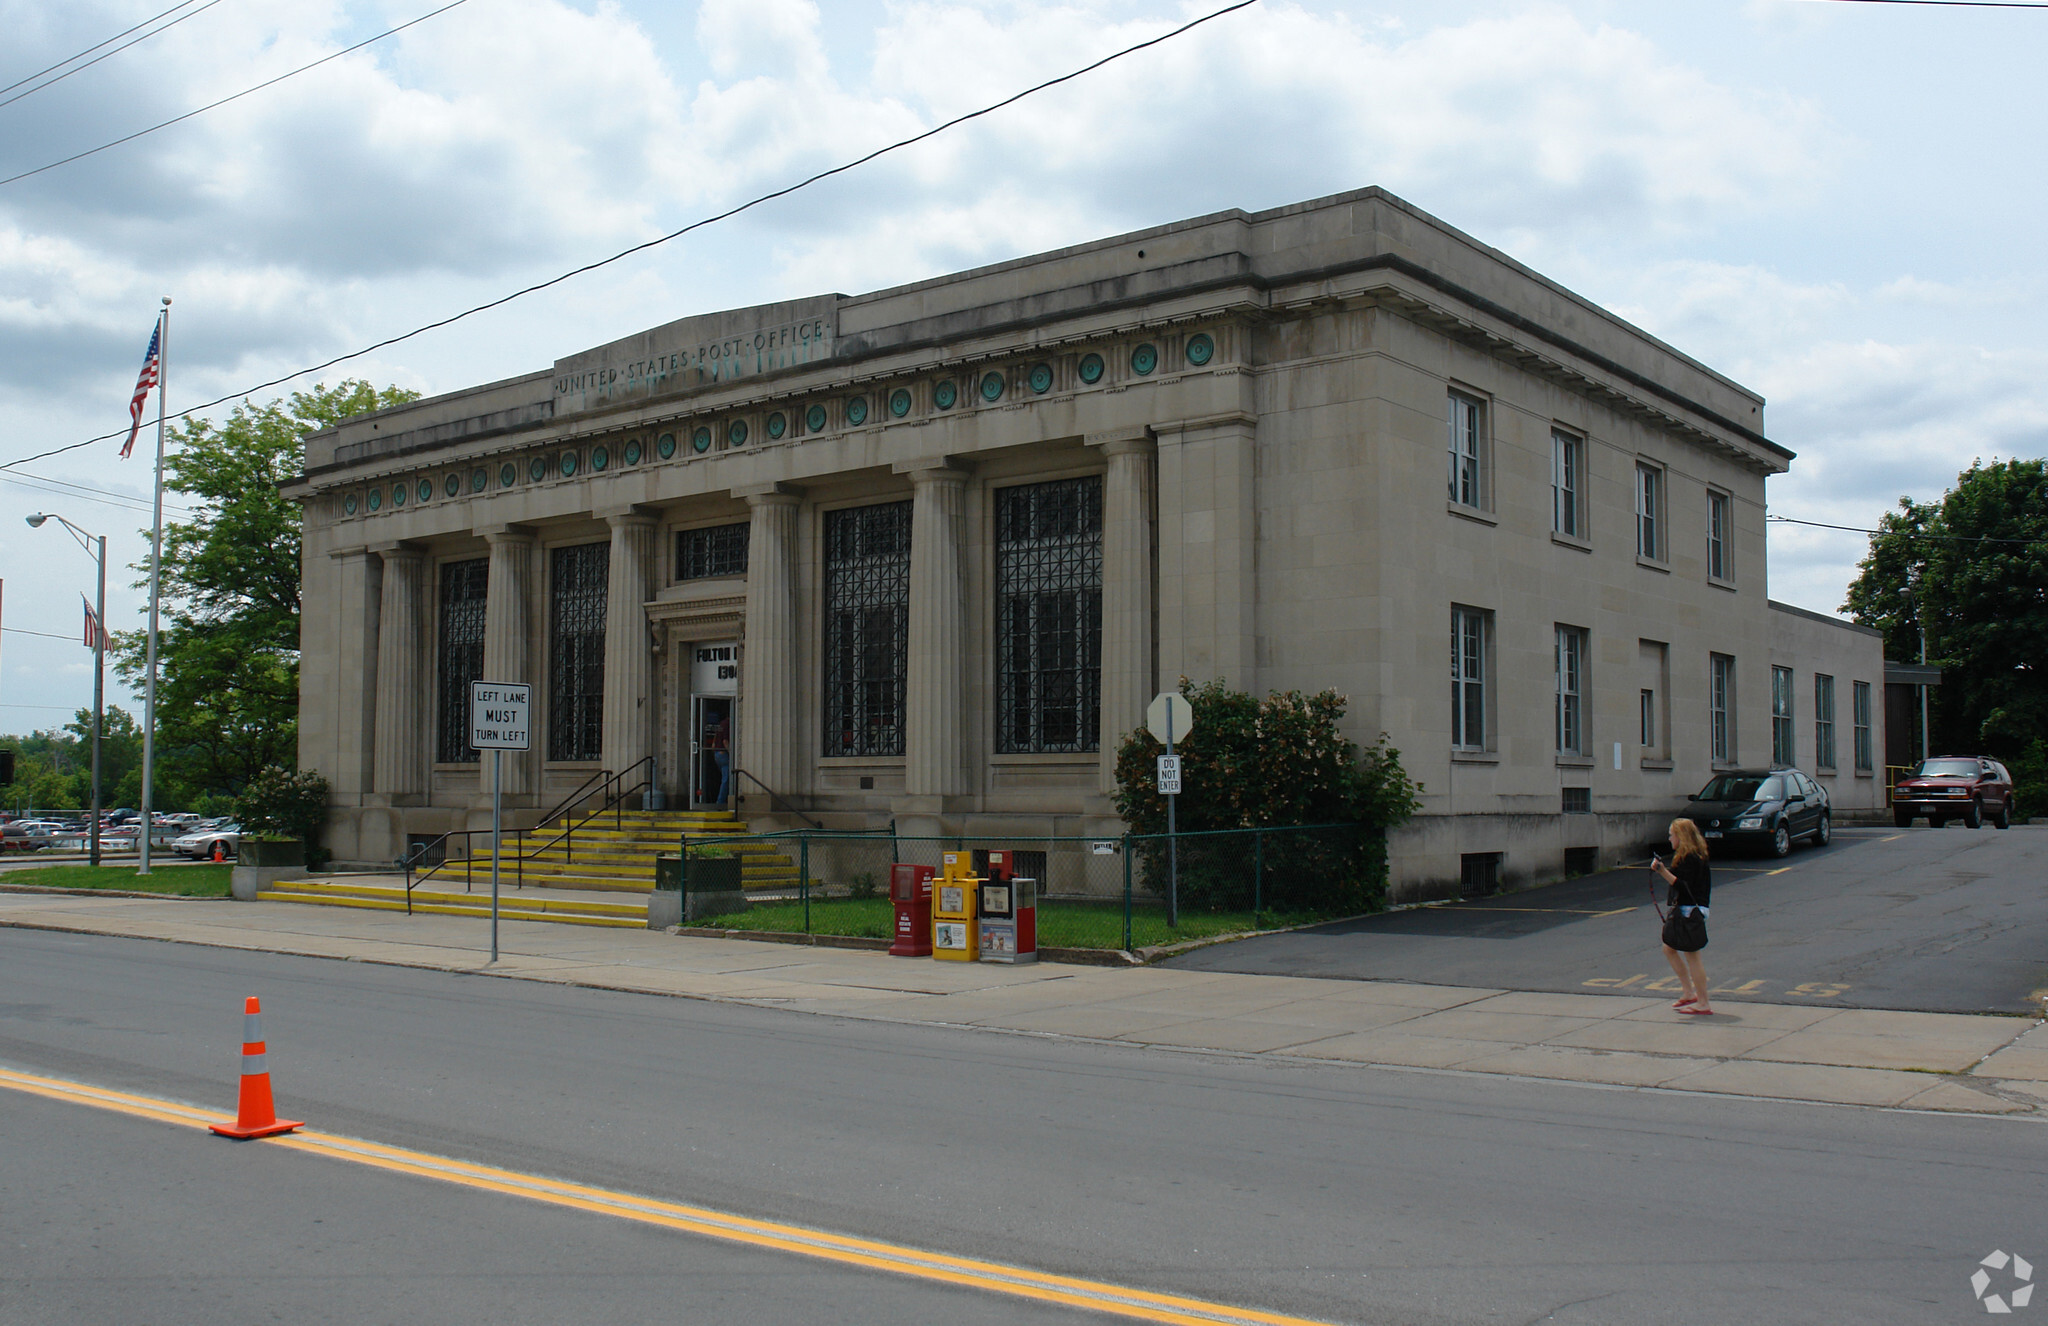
(1085, 957)
(106, 893)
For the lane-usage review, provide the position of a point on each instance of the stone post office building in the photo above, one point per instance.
(924, 554)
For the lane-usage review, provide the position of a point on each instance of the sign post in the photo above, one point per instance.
(499, 714)
(1169, 717)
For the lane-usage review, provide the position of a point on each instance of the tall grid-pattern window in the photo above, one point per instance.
(1571, 691)
(1782, 748)
(576, 611)
(1049, 616)
(1823, 721)
(1859, 700)
(1468, 678)
(1720, 508)
(1568, 484)
(720, 550)
(459, 656)
(867, 628)
(1465, 444)
(1650, 512)
(1721, 708)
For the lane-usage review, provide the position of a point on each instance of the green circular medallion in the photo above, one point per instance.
(348, 504)
(946, 394)
(600, 457)
(1200, 349)
(1041, 378)
(1144, 359)
(478, 481)
(508, 474)
(376, 498)
(633, 451)
(426, 489)
(1091, 368)
(736, 433)
(538, 468)
(814, 419)
(700, 440)
(857, 411)
(777, 425)
(992, 386)
(665, 445)
(569, 462)
(899, 402)
(454, 485)
(398, 494)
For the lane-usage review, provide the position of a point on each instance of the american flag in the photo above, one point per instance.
(95, 632)
(142, 386)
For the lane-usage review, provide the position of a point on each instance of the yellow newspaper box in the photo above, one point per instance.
(954, 894)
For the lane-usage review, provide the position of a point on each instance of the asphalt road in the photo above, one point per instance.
(1948, 920)
(1331, 1191)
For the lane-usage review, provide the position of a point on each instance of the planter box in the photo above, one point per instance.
(246, 881)
(714, 891)
(271, 853)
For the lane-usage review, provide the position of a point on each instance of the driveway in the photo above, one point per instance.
(1942, 920)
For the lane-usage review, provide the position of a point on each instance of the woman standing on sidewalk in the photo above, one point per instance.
(1691, 882)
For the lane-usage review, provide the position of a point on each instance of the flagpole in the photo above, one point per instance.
(156, 557)
(99, 695)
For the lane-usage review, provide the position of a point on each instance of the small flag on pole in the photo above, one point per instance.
(95, 632)
(143, 383)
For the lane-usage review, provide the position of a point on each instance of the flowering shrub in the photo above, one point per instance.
(1258, 764)
(284, 803)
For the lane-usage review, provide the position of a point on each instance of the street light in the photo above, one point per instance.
(99, 658)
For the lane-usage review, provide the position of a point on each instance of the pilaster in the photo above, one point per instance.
(1129, 668)
(936, 672)
(770, 706)
(628, 644)
(1208, 542)
(400, 761)
(509, 616)
(359, 577)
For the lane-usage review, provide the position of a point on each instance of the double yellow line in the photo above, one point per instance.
(993, 1277)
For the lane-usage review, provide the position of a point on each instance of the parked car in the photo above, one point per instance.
(27, 835)
(1971, 788)
(1766, 808)
(219, 841)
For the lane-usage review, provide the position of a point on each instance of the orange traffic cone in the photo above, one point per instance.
(220, 853)
(255, 1114)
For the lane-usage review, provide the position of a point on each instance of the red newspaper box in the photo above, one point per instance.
(910, 888)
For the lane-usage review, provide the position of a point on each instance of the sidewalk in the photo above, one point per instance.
(1932, 1061)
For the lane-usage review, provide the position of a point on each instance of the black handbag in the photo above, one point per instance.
(1685, 933)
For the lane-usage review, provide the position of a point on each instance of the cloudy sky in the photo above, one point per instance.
(1835, 203)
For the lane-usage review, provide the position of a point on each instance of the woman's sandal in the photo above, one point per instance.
(1698, 1012)
(1690, 999)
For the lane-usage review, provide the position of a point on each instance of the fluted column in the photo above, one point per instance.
(508, 634)
(628, 648)
(1128, 675)
(936, 685)
(402, 683)
(770, 712)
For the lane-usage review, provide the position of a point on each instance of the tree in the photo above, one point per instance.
(1972, 571)
(228, 640)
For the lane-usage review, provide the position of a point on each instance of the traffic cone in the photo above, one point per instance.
(255, 1114)
(220, 853)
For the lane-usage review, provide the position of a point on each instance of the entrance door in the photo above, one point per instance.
(710, 738)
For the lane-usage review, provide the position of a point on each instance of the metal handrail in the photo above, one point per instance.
(775, 798)
(612, 799)
(562, 806)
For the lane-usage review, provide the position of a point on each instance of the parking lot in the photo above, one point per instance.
(1947, 920)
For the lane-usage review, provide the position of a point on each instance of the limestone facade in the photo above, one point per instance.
(1313, 446)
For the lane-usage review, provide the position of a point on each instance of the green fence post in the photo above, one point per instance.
(1127, 893)
(803, 852)
(1258, 875)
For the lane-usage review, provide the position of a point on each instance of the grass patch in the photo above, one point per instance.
(206, 881)
(1060, 924)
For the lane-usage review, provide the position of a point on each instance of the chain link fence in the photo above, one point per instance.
(1088, 887)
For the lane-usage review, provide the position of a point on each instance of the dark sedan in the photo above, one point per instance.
(1767, 808)
(1970, 788)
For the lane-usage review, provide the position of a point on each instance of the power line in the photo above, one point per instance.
(663, 239)
(97, 58)
(79, 492)
(95, 46)
(22, 630)
(1955, 4)
(1904, 533)
(180, 119)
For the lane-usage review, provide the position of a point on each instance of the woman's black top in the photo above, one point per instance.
(1691, 883)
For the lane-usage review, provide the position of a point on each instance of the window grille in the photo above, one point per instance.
(1468, 679)
(576, 588)
(1578, 800)
(461, 655)
(1859, 696)
(1823, 721)
(1782, 751)
(1571, 691)
(1049, 616)
(718, 551)
(867, 628)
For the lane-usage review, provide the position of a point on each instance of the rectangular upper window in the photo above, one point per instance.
(576, 616)
(718, 550)
(1568, 484)
(1721, 708)
(1467, 450)
(1649, 512)
(1720, 536)
(460, 655)
(1823, 721)
(1859, 692)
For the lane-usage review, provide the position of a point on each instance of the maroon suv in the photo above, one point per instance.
(1971, 788)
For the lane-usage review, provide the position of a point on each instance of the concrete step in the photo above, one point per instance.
(439, 902)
